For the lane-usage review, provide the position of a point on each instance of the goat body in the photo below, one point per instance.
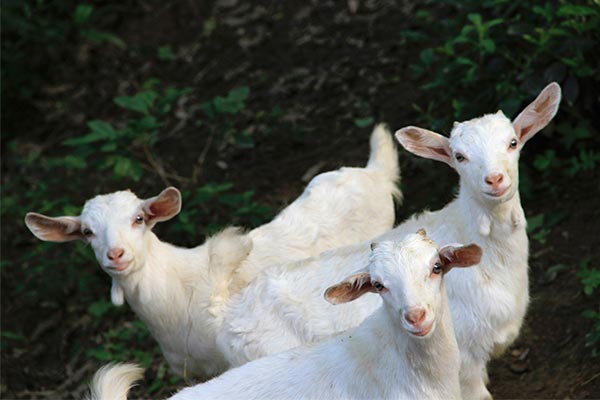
(388, 356)
(281, 308)
(180, 293)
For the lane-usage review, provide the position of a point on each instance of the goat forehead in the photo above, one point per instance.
(407, 258)
(483, 133)
(107, 208)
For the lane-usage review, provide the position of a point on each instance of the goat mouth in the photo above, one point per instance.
(498, 193)
(119, 267)
(422, 332)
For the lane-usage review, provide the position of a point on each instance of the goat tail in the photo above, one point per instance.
(384, 155)
(383, 151)
(113, 381)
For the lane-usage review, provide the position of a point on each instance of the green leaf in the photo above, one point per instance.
(99, 37)
(243, 139)
(576, 10)
(233, 103)
(209, 26)
(427, 56)
(141, 102)
(147, 123)
(82, 13)
(542, 162)
(165, 53)
(590, 314)
(127, 168)
(488, 45)
(12, 335)
(535, 222)
(100, 130)
(151, 83)
(99, 308)
(364, 122)
(99, 353)
(475, 19)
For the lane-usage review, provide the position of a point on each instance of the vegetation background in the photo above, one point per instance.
(238, 104)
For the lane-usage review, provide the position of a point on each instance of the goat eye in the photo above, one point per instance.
(378, 286)
(459, 157)
(513, 144)
(437, 268)
(139, 219)
(87, 232)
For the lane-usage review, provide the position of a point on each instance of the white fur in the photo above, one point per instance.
(113, 381)
(380, 359)
(180, 293)
(281, 309)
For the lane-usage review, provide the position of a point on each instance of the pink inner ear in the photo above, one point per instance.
(350, 289)
(440, 150)
(464, 256)
(59, 229)
(164, 206)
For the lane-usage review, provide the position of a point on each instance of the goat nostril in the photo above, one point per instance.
(415, 317)
(115, 254)
(494, 179)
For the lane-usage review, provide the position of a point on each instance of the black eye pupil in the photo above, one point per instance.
(459, 157)
(87, 232)
(513, 143)
(437, 268)
(139, 219)
(377, 285)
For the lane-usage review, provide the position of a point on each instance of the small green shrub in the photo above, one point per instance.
(590, 279)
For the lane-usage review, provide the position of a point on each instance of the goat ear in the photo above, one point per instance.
(162, 207)
(539, 113)
(460, 256)
(59, 229)
(425, 143)
(350, 288)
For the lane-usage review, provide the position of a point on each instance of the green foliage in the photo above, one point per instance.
(240, 209)
(118, 344)
(165, 53)
(233, 103)
(115, 148)
(539, 226)
(590, 276)
(592, 338)
(364, 122)
(38, 27)
(590, 279)
(477, 55)
(222, 107)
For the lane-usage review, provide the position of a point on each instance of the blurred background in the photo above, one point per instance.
(239, 104)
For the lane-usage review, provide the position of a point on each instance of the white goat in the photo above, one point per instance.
(281, 310)
(405, 350)
(179, 293)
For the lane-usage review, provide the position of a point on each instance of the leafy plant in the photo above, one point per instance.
(590, 279)
(364, 122)
(165, 53)
(232, 104)
(39, 27)
(83, 17)
(478, 55)
(116, 148)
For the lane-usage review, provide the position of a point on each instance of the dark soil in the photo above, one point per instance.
(324, 66)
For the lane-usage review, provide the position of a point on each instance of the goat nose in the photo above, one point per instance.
(494, 179)
(415, 316)
(115, 254)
